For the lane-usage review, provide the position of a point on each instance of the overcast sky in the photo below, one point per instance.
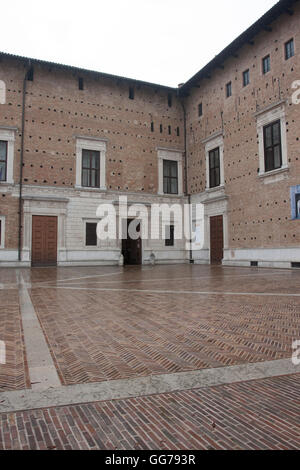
(160, 41)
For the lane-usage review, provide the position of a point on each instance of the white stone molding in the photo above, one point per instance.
(173, 155)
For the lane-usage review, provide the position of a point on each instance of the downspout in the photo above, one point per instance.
(21, 164)
(186, 169)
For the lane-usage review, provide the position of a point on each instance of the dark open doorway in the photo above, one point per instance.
(131, 249)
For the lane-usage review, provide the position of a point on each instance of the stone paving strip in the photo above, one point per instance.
(42, 370)
(142, 386)
(256, 415)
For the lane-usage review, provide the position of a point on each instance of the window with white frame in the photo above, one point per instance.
(214, 152)
(271, 130)
(2, 231)
(90, 163)
(7, 141)
(170, 172)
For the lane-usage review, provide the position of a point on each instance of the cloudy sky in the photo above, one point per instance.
(160, 41)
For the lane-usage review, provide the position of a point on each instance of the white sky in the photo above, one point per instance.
(160, 41)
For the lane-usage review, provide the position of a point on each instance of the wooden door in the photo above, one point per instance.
(44, 240)
(216, 240)
(132, 249)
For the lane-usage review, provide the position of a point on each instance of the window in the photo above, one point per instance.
(297, 201)
(170, 100)
(266, 64)
(29, 75)
(80, 83)
(169, 130)
(272, 146)
(228, 90)
(2, 92)
(246, 77)
(152, 126)
(131, 93)
(170, 177)
(289, 49)
(160, 128)
(214, 168)
(178, 132)
(3, 160)
(90, 234)
(200, 110)
(2, 231)
(169, 240)
(90, 168)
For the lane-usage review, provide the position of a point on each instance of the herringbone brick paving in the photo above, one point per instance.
(13, 374)
(257, 415)
(105, 335)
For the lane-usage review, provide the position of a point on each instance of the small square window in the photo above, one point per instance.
(228, 90)
(289, 49)
(131, 93)
(266, 64)
(200, 110)
(90, 234)
(246, 77)
(80, 83)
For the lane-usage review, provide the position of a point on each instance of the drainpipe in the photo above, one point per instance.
(186, 168)
(21, 164)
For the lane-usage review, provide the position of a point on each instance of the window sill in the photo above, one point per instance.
(278, 171)
(84, 188)
(216, 189)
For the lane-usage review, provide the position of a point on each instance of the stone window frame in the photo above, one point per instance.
(2, 237)
(8, 134)
(90, 221)
(2, 92)
(211, 143)
(174, 155)
(273, 113)
(96, 144)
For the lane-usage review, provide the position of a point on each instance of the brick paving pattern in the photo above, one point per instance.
(13, 374)
(257, 415)
(105, 335)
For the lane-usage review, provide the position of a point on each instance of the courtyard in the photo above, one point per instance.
(152, 357)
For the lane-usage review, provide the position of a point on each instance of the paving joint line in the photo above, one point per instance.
(29, 399)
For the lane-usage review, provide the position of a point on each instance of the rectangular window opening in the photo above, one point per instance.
(169, 130)
(131, 93)
(214, 168)
(272, 146)
(178, 132)
(289, 49)
(170, 100)
(200, 110)
(266, 64)
(169, 240)
(228, 90)
(80, 83)
(161, 128)
(295, 265)
(246, 77)
(170, 177)
(152, 126)
(90, 168)
(3, 160)
(30, 75)
(90, 234)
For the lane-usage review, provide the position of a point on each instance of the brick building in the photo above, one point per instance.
(227, 139)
